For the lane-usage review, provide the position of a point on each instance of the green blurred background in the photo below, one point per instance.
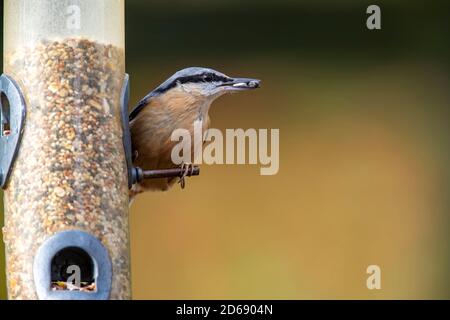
(365, 145)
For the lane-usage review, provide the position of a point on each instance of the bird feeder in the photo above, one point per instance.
(63, 166)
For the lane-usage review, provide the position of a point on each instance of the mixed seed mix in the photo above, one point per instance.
(70, 173)
(65, 286)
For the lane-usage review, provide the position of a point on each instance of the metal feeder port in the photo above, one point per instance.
(73, 258)
(65, 150)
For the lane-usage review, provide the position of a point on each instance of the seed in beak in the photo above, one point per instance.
(253, 84)
(247, 85)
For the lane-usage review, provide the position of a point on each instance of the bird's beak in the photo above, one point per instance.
(239, 84)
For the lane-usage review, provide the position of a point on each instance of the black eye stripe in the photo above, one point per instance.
(204, 77)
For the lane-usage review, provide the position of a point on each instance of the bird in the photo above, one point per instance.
(180, 101)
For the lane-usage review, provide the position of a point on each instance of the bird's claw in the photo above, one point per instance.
(186, 171)
(135, 155)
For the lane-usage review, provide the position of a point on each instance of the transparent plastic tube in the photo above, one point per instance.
(70, 173)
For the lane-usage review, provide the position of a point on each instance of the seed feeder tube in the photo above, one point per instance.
(63, 165)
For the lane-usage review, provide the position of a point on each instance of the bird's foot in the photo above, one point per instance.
(186, 171)
(135, 155)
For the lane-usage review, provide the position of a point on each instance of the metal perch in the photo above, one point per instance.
(168, 173)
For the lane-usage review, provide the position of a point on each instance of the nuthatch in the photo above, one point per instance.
(176, 104)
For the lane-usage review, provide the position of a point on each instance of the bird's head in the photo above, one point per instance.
(205, 83)
(192, 89)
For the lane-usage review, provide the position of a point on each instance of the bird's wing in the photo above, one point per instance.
(141, 105)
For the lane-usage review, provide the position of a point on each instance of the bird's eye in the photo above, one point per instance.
(208, 78)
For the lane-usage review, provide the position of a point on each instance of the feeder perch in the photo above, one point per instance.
(65, 161)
